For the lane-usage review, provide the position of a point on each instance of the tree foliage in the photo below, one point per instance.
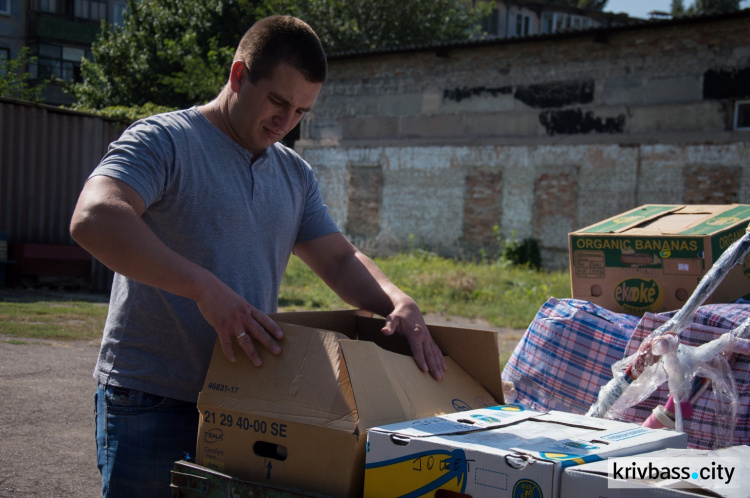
(347, 25)
(171, 53)
(15, 82)
(704, 7)
(582, 4)
(177, 54)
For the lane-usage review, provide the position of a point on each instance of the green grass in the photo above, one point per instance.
(49, 317)
(505, 296)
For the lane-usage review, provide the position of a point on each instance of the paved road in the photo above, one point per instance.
(47, 443)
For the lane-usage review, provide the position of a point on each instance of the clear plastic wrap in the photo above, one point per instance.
(661, 358)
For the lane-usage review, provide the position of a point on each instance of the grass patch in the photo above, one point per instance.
(504, 295)
(49, 318)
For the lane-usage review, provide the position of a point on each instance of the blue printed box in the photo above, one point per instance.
(503, 451)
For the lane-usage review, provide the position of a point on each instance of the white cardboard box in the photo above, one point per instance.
(503, 451)
(679, 470)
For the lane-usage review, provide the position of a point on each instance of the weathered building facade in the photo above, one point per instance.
(537, 136)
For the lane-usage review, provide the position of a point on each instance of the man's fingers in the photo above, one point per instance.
(263, 330)
(246, 343)
(267, 324)
(433, 357)
(389, 328)
(226, 347)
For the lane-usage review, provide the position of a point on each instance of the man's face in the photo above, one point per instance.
(262, 113)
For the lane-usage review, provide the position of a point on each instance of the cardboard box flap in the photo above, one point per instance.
(459, 423)
(728, 216)
(390, 388)
(655, 219)
(476, 351)
(690, 219)
(632, 218)
(295, 386)
(341, 321)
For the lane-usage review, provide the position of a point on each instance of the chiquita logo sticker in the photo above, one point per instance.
(526, 488)
(638, 295)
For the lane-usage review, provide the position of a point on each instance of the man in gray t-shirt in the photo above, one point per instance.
(197, 212)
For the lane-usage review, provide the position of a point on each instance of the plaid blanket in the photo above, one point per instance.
(567, 353)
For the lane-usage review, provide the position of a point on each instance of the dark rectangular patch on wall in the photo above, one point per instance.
(726, 83)
(712, 184)
(365, 196)
(459, 94)
(556, 94)
(576, 122)
(555, 202)
(482, 209)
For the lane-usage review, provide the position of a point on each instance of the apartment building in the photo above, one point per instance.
(59, 33)
(519, 18)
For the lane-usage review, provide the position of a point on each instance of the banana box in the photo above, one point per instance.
(300, 421)
(505, 451)
(651, 258)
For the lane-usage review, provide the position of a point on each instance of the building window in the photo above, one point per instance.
(490, 24)
(548, 23)
(523, 23)
(742, 115)
(55, 61)
(52, 6)
(5, 7)
(90, 9)
(118, 13)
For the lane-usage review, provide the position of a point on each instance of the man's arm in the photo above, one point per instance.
(360, 283)
(107, 222)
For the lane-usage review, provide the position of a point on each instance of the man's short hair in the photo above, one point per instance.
(276, 39)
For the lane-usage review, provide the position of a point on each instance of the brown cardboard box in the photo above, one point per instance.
(651, 258)
(301, 419)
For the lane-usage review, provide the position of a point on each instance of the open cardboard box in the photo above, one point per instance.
(651, 258)
(498, 452)
(301, 419)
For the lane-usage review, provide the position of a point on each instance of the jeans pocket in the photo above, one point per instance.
(124, 401)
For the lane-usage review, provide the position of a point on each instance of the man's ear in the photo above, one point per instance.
(237, 75)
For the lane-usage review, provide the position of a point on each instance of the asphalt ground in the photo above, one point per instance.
(47, 445)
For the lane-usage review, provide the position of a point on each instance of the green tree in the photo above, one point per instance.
(15, 81)
(350, 25)
(678, 8)
(705, 7)
(177, 54)
(582, 4)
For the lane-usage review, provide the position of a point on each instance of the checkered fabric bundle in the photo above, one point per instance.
(567, 353)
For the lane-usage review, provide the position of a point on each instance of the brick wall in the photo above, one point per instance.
(538, 137)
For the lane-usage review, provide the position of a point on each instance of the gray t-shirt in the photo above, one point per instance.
(206, 201)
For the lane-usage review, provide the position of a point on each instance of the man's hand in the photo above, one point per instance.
(407, 320)
(233, 317)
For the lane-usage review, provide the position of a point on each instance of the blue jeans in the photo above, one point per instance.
(139, 436)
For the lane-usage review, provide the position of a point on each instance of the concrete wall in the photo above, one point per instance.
(538, 137)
